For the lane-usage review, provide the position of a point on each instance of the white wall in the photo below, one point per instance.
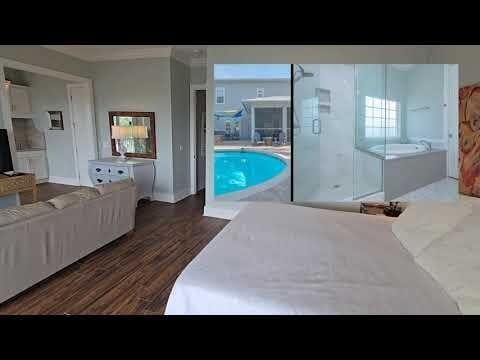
(425, 88)
(138, 85)
(327, 54)
(180, 80)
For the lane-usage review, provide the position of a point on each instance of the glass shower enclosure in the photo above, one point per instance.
(343, 114)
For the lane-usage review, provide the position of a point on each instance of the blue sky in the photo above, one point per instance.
(260, 71)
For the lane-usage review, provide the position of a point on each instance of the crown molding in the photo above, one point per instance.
(105, 54)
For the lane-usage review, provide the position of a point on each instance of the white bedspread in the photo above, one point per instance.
(285, 259)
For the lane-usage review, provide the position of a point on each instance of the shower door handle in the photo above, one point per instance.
(316, 127)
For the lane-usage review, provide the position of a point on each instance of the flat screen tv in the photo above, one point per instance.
(5, 156)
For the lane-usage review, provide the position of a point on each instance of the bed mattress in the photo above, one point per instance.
(286, 259)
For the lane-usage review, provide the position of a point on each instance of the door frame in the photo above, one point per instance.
(193, 135)
(5, 102)
(446, 120)
(91, 119)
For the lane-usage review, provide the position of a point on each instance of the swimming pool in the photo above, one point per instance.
(239, 170)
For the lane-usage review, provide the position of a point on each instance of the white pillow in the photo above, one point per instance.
(423, 222)
(454, 261)
(62, 201)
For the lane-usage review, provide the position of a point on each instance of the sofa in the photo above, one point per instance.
(40, 239)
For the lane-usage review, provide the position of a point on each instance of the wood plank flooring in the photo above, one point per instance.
(132, 275)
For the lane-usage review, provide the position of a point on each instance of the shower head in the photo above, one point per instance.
(302, 73)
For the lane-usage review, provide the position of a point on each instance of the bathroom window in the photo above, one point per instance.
(220, 95)
(382, 117)
(260, 92)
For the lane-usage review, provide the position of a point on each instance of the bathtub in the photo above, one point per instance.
(398, 149)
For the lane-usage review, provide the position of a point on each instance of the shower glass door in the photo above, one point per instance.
(370, 114)
(323, 132)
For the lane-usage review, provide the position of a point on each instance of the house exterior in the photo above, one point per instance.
(264, 106)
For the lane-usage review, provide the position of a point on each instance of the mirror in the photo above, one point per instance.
(133, 134)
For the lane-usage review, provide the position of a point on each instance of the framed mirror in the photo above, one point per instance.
(133, 134)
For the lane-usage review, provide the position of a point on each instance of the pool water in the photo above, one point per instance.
(239, 170)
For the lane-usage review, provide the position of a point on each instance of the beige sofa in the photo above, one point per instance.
(34, 248)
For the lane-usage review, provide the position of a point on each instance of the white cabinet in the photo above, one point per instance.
(20, 101)
(112, 169)
(34, 162)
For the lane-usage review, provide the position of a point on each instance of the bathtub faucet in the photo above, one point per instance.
(428, 144)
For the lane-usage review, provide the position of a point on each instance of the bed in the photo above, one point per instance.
(286, 259)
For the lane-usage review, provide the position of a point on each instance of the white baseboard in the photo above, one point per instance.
(223, 209)
(182, 194)
(164, 197)
(63, 180)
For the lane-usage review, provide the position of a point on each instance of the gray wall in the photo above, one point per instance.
(50, 94)
(180, 80)
(198, 74)
(467, 56)
(137, 85)
(40, 56)
(238, 90)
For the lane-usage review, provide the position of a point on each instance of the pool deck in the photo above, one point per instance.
(238, 145)
(278, 192)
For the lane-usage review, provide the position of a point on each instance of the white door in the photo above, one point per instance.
(452, 115)
(84, 137)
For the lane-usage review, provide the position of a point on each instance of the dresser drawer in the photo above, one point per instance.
(99, 169)
(99, 179)
(121, 171)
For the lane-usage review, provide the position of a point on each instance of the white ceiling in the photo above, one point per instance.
(189, 54)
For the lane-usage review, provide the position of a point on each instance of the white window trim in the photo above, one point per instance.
(216, 95)
(262, 90)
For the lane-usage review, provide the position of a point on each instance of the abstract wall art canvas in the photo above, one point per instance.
(469, 140)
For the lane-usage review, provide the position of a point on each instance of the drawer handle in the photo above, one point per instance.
(120, 171)
(108, 170)
(99, 180)
(98, 169)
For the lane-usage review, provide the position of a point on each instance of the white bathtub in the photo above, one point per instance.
(398, 149)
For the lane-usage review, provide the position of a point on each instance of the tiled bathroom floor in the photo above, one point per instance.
(443, 190)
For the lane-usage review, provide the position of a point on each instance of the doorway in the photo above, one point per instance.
(79, 106)
(84, 144)
(198, 109)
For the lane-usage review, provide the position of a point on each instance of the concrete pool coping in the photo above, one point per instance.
(277, 179)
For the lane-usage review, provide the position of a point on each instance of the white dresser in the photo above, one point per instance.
(112, 169)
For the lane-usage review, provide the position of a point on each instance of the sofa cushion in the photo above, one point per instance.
(65, 200)
(114, 186)
(19, 213)
(423, 222)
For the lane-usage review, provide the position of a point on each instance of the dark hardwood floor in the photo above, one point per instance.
(132, 275)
